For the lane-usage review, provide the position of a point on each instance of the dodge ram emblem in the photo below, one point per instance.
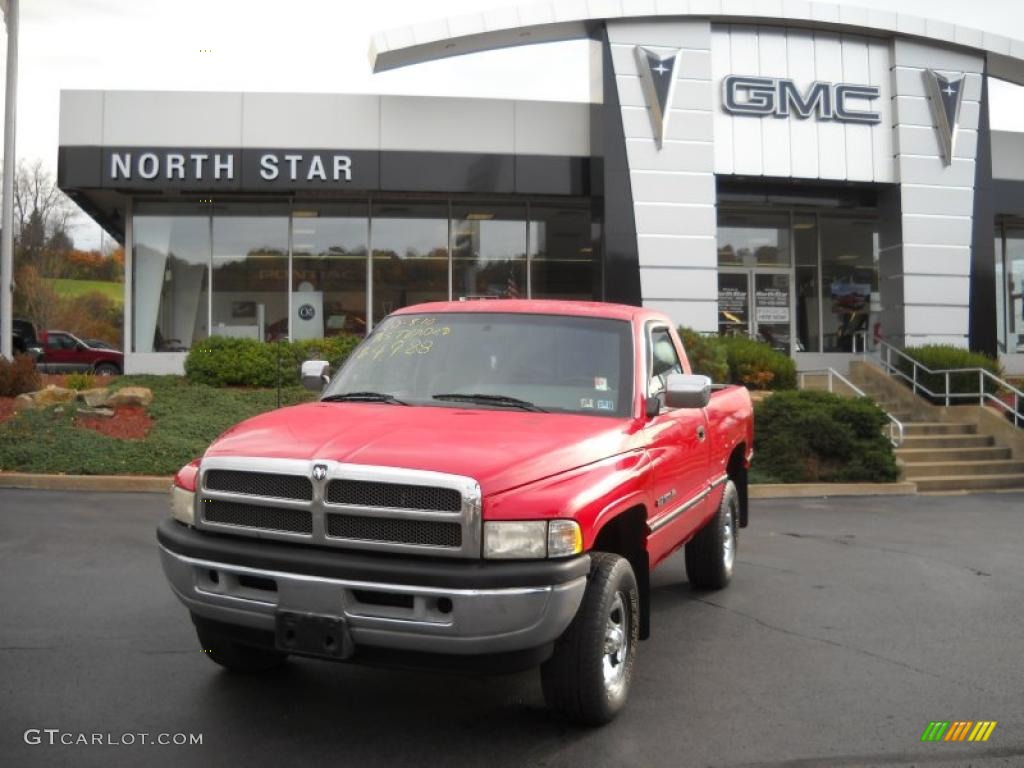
(319, 471)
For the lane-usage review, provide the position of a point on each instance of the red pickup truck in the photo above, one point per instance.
(483, 485)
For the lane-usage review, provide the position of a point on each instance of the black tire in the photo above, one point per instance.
(236, 656)
(573, 679)
(107, 369)
(709, 561)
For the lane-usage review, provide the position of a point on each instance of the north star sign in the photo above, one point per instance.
(781, 97)
(210, 165)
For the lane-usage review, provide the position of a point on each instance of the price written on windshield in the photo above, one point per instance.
(404, 336)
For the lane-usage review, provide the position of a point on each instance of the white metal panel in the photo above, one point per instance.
(859, 153)
(879, 62)
(673, 218)
(828, 63)
(656, 186)
(462, 125)
(926, 229)
(721, 65)
(685, 284)
(914, 53)
(694, 251)
(684, 34)
(949, 201)
(313, 120)
(931, 170)
(643, 155)
(771, 50)
(700, 315)
(172, 119)
(81, 118)
(940, 290)
(746, 130)
(937, 259)
(803, 134)
(928, 320)
(552, 128)
(690, 125)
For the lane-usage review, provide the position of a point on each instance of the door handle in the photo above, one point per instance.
(701, 434)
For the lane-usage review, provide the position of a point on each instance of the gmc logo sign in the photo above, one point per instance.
(780, 97)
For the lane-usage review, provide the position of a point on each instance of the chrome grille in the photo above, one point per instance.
(393, 496)
(353, 506)
(253, 516)
(260, 484)
(428, 533)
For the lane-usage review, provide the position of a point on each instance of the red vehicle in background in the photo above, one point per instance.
(64, 352)
(483, 485)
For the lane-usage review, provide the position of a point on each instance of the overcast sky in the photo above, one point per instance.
(320, 46)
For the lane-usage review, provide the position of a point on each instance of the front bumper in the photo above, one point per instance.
(402, 603)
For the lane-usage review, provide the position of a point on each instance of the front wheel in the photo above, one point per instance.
(711, 554)
(107, 369)
(588, 676)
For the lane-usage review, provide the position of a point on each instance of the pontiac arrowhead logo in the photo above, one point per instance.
(945, 94)
(657, 79)
(319, 471)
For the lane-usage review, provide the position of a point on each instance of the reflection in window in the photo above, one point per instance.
(1014, 270)
(329, 270)
(564, 260)
(250, 271)
(849, 282)
(410, 256)
(170, 269)
(489, 251)
(753, 239)
(808, 297)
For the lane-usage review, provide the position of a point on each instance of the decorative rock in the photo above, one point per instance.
(131, 396)
(94, 398)
(53, 396)
(24, 403)
(104, 412)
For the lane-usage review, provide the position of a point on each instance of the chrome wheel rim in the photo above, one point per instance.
(616, 645)
(728, 539)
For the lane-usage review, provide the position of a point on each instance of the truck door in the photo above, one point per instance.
(678, 444)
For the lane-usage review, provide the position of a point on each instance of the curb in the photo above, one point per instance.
(810, 490)
(160, 484)
(107, 483)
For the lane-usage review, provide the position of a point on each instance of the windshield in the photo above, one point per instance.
(493, 360)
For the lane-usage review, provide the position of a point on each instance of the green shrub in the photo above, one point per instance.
(706, 354)
(756, 365)
(225, 362)
(80, 381)
(810, 436)
(940, 357)
(18, 376)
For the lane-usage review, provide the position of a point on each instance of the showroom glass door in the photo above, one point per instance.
(757, 303)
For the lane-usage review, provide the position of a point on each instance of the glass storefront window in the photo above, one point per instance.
(410, 255)
(1001, 290)
(849, 282)
(170, 270)
(329, 263)
(1014, 276)
(808, 297)
(250, 271)
(753, 239)
(564, 259)
(488, 251)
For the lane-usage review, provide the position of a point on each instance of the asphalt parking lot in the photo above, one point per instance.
(851, 624)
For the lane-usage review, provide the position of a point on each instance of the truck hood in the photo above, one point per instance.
(500, 449)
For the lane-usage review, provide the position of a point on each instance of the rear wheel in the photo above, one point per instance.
(711, 554)
(237, 656)
(107, 369)
(588, 676)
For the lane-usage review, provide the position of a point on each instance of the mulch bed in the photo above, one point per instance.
(129, 422)
(6, 408)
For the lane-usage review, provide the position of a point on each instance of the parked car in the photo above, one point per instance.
(484, 485)
(101, 344)
(24, 340)
(64, 352)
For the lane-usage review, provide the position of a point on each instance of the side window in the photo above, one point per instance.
(56, 341)
(662, 358)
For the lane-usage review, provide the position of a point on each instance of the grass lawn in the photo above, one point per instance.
(64, 287)
(186, 418)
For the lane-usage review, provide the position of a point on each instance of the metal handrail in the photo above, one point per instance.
(895, 425)
(886, 351)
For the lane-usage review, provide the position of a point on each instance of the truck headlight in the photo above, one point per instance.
(183, 496)
(531, 539)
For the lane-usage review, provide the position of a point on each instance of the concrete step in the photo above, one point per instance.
(940, 428)
(915, 470)
(914, 455)
(947, 441)
(969, 482)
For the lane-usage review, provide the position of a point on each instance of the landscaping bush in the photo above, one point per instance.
(79, 381)
(19, 376)
(811, 436)
(225, 362)
(942, 357)
(756, 365)
(706, 354)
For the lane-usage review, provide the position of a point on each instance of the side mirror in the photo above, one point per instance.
(687, 391)
(315, 374)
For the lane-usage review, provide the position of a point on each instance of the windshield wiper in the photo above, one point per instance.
(499, 400)
(364, 397)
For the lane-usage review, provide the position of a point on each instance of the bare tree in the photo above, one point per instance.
(42, 215)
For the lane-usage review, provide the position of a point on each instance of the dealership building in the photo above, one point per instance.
(816, 175)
